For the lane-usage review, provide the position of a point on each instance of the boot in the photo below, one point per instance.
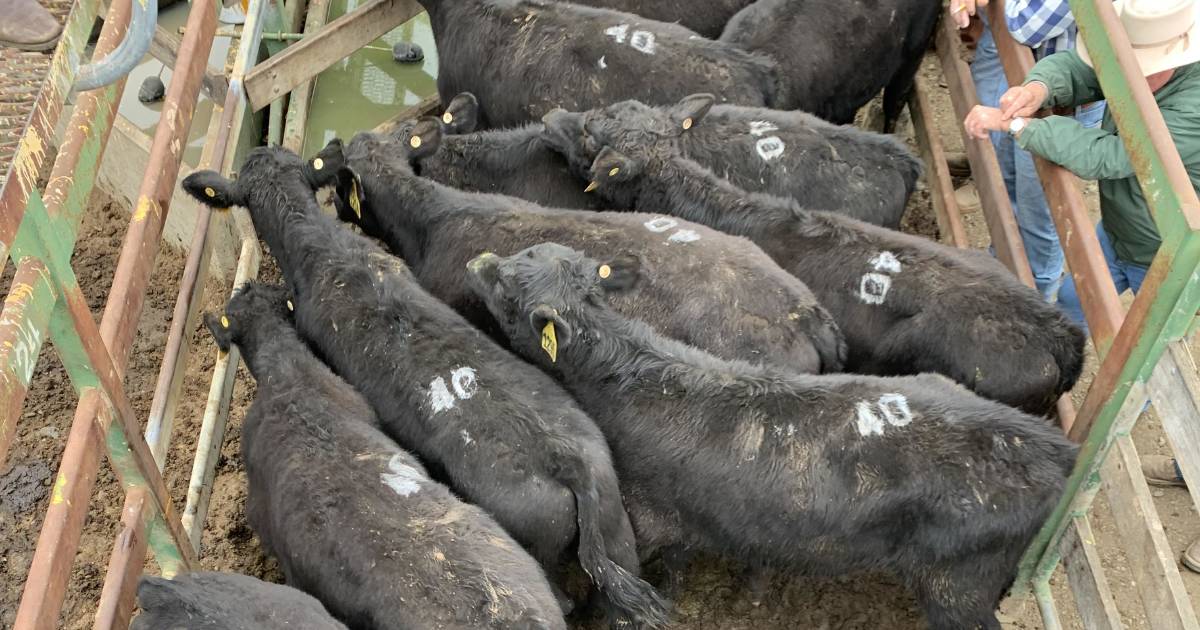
(1191, 556)
(1160, 470)
(27, 25)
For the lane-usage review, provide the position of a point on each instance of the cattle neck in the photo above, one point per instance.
(475, 158)
(272, 348)
(638, 357)
(690, 191)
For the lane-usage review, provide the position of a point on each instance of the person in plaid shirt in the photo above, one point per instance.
(1048, 27)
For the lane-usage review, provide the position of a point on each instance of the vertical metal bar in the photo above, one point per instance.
(937, 173)
(1045, 600)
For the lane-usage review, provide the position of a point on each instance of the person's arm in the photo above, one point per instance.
(1034, 22)
(1099, 154)
(1068, 80)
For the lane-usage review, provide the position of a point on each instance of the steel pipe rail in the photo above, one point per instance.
(117, 64)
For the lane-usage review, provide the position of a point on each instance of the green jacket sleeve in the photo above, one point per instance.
(1100, 154)
(1070, 81)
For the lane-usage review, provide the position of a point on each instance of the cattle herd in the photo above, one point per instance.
(624, 301)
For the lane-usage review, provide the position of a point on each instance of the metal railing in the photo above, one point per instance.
(1143, 352)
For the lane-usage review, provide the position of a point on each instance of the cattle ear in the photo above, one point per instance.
(211, 189)
(323, 169)
(555, 333)
(689, 111)
(220, 327)
(461, 115)
(153, 592)
(612, 166)
(619, 273)
(349, 196)
(424, 138)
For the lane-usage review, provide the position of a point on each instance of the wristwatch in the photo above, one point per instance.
(1016, 126)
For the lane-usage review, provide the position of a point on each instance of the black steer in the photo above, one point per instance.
(500, 431)
(843, 169)
(523, 58)
(835, 56)
(823, 473)
(352, 518)
(707, 17)
(226, 601)
(906, 305)
(693, 283)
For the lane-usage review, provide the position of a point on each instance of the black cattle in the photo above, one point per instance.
(843, 169)
(906, 305)
(835, 56)
(226, 601)
(523, 58)
(693, 283)
(823, 473)
(500, 431)
(352, 518)
(707, 17)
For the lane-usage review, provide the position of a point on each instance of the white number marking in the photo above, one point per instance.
(464, 383)
(684, 236)
(661, 224)
(467, 439)
(760, 127)
(874, 288)
(603, 64)
(618, 33)
(886, 261)
(403, 479)
(641, 41)
(769, 148)
(892, 407)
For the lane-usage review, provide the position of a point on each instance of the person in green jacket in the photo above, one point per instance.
(1165, 35)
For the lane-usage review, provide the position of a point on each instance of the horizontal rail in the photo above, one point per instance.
(304, 60)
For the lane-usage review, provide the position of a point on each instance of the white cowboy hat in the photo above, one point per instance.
(1165, 34)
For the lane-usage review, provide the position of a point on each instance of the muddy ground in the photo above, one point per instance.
(715, 597)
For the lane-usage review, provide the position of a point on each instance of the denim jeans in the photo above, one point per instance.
(1020, 175)
(1125, 275)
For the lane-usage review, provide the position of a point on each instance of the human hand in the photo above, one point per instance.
(962, 10)
(982, 119)
(1023, 100)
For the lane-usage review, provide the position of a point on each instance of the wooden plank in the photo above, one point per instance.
(1151, 561)
(304, 60)
(1175, 385)
(296, 119)
(165, 48)
(941, 186)
(993, 195)
(428, 105)
(1085, 575)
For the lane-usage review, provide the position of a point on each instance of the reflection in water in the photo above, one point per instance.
(145, 116)
(369, 87)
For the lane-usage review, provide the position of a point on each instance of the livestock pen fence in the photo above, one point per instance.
(1143, 353)
(38, 228)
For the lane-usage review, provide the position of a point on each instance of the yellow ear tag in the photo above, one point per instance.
(224, 322)
(687, 123)
(290, 306)
(614, 171)
(318, 164)
(604, 271)
(550, 342)
(592, 186)
(415, 142)
(355, 204)
(447, 118)
(210, 192)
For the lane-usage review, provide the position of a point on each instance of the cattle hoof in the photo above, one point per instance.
(152, 90)
(407, 52)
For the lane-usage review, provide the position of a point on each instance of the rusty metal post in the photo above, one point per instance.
(59, 538)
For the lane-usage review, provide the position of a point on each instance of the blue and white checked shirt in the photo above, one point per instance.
(1046, 26)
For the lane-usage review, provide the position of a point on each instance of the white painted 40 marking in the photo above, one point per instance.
(641, 41)
(890, 409)
(462, 380)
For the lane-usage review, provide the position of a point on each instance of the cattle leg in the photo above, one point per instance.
(897, 91)
(958, 598)
(676, 560)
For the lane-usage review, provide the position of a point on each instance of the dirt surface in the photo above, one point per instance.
(715, 596)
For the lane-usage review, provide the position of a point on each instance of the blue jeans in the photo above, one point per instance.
(1020, 175)
(1125, 275)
